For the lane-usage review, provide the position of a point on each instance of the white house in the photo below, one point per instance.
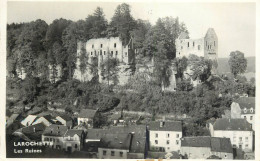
(238, 130)
(247, 106)
(165, 136)
(86, 117)
(73, 140)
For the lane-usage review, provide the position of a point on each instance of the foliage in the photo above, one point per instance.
(237, 62)
(122, 23)
(109, 70)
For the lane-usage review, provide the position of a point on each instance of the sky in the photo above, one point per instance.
(234, 23)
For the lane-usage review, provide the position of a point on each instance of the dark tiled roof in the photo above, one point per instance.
(232, 125)
(55, 130)
(30, 129)
(183, 35)
(121, 134)
(215, 143)
(87, 113)
(95, 133)
(221, 145)
(65, 117)
(168, 126)
(246, 102)
(113, 141)
(200, 141)
(72, 132)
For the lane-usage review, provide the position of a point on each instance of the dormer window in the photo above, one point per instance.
(251, 110)
(245, 110)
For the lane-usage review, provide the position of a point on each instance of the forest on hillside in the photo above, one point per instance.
(35, 46)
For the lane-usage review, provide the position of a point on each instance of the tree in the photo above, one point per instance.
(181, 65)
(96, 24)
(122, 23)
(237, 63)
(109, 70)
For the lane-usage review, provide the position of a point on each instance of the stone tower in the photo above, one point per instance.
(211, 45)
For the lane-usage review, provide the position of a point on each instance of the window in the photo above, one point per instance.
(225, 156)
(246, 138)
(100, 53)
(104, 152)
(168, 135)
(251, 117)
(76, 146)
(214, 43)
(58, 140)
(104, 52)
(53, 140)
(193, 44)
(240, 146)
(111, 53)
(206, 43)
(168, 148)
(114, 45)
(121, 154)
(101, 45)
(198, 47)
(92, 45)
(125, 53)
(177, 142)
(156, 141)
(245, 110)
(156, 135)
(168, 142)
(50, 139)
(251, 110)
(112, 153)
(246, 145)
(179, 53)
(116, 52)
(234, 138)
(244, 117)
(240, 139)
(181, 47)
(177, 135)
(188, 44)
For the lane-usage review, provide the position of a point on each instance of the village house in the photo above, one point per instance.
(53, 136)
(86, 116)
(118, 142)
(244, 107)
(203, 147)
(65, 120)
(31, 133)
(164, 136)
(238, 130)
(73, 140)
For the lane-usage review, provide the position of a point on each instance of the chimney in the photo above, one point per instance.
(34, 129)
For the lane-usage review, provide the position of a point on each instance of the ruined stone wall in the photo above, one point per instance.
(186, 47)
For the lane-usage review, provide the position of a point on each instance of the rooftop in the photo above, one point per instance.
(72, 132)
(165, 126)
(232, 124)
(87, 113)
(246, 102)
(55, 130)
(65, 117)
(215, 143)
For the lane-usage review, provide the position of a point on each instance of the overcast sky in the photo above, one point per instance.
(234, 23)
